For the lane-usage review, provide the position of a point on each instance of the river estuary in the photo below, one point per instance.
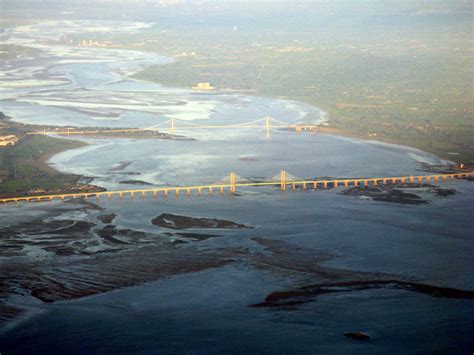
(99, 276)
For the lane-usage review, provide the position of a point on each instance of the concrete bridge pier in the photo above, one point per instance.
(325, 184)
(315, 185)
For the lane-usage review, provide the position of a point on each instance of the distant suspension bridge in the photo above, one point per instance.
(173, 125)
(230, 184)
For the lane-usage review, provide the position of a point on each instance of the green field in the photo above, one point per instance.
(25, 165)
(411, 86)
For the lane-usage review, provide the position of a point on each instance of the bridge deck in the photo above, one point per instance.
(172, 126)
(283, 184)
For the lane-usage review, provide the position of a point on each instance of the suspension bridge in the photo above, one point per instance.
(173, 125)
(283, 181)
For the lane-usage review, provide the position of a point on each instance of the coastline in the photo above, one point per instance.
(49, 146)
(27, 168)
(337, 131)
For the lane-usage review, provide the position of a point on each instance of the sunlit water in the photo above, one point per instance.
(207, 311)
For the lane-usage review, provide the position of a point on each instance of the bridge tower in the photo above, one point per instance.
(283, 180)
(267, 124)
(173, 129)
(232, 182)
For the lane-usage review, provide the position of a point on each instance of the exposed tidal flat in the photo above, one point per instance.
(182, 274)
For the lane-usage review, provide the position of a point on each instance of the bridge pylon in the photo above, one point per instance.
(173, 128)
(267, 124)
(232, 182)
(283, 180)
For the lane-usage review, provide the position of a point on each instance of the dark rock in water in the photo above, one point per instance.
(182, 222)
(443, 192)
(285, 299)
(109, 233)
(197, 236)
(385, 194)
(107, 218)
(180, 241)
(185, 238)
(61, 251)
(3, 116)
(357, 336)
(135, 182)
(306, 294)
(44, 295)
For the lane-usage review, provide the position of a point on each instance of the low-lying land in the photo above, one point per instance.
(23, 166)
(412, 88)
(24, 169)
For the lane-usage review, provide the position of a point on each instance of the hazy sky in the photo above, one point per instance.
(436, 6)
(262, 7)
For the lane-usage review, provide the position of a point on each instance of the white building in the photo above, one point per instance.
(6, 141)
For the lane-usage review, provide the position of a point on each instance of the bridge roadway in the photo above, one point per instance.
(171, 126)
(233, 185)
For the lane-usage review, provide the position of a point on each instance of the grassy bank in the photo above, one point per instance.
(25, 169)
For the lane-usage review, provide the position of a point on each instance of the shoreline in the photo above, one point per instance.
(80, 183)
(336, 131)
(36, 170)
(75, 182)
